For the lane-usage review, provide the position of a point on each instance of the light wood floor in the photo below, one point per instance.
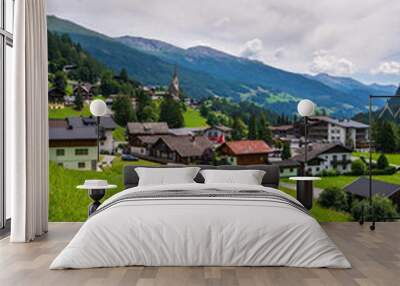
(375, 257)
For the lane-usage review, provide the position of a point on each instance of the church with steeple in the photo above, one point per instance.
(173, 90)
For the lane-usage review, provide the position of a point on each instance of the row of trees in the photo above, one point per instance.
(168, 110)
(62, 51)
(247, 119)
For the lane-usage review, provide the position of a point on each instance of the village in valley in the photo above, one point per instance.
(153, 125)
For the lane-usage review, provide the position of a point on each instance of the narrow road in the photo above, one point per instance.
(316, 193)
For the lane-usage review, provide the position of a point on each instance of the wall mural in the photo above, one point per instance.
(206, 83)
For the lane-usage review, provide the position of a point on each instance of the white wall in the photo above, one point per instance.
(107, 144)
(326, 164)
(70, 160)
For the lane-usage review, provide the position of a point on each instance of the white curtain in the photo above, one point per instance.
(27, 123)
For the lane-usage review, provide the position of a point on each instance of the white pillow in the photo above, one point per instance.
(166, 176)
(248, 177)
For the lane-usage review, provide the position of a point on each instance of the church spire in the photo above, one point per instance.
(174, 86)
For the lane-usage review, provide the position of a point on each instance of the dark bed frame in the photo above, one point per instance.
(270, 179)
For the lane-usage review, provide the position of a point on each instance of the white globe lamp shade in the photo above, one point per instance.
(98, 107)
(306, 107)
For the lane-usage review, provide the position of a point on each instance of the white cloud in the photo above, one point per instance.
(325, 62)
(222, 22)
(391, 67)
(252, 49)
(344, 28)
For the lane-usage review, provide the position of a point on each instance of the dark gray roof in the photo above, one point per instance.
(286, 163)
(106, 122)
(360, 187)
(318, 149)
(148, 128)
(149, 139)
(57, 132)
(186, 131)
(187, 146)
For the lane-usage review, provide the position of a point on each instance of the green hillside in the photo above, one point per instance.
(193, 118)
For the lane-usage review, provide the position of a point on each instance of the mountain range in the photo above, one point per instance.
(204, 71)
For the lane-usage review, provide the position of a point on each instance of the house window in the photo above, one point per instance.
(60, 152)
(344, 157)
(81, 152)
(81, 165)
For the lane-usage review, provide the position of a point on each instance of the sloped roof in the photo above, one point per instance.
(244, 147)
(360, 187)
(221, 128)
(346, 123)
(187, 146)
(149, 139)
(59, 131)
(318, 149)
(282, 127)
(286, 163)
(106, 122)
(147, 128)
(186, 131)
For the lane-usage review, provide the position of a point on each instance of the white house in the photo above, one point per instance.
(72, 147)
(107, 126)
(347, 132)
(328, 157)
(218, 134)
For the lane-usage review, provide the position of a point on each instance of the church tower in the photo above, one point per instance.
(174, 86)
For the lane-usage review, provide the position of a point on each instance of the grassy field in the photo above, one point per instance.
(193, 118)
(68, 111)
(70, 204)
(119, 134)
(342, 181)
(322, 214)
(393, 158)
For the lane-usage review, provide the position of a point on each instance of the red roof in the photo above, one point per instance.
(248, 147)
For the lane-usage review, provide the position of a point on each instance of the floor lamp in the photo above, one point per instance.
(98, 108)
(305, 108)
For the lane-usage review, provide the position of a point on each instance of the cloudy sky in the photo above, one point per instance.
(358, 38)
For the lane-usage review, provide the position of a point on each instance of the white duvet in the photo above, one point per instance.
(202, 232)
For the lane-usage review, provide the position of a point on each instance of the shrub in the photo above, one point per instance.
(383, 208)
(358, 168)
(382, 162)
(333, 198)
(387, 171)
(329, 173)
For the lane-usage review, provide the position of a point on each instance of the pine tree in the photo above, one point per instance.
(238, 129)
(60, 81)
(382, 162)
(170, 112)
(143, 100)
(286, 153)
(123, 75)
(78, 102)
(263, 130)
(123, 110)
(252, 127)
(383, 136)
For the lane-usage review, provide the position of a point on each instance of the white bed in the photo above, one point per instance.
(202, 231)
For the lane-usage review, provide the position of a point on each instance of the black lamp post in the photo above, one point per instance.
(305, 108)
(98, 108)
